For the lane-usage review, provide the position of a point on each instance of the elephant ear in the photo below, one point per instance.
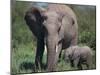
(34, 14)
(41, 11)
(61, 33)
(64, 20)
(60, 28)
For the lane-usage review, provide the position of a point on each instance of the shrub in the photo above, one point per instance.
(88, 38)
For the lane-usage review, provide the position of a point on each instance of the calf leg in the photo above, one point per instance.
(76, 63)
(79, 66)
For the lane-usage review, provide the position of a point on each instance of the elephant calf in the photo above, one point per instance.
(79, 56)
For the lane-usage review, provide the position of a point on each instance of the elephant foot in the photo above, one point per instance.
(51, 70)
(37, 66)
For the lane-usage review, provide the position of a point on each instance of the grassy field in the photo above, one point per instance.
(24, 43)
(23, 60)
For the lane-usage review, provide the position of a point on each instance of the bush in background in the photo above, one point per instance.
(88, 38)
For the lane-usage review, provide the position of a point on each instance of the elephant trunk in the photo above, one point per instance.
(51, 53)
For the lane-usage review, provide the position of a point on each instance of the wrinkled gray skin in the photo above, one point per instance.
(56, 27)
(79, 56)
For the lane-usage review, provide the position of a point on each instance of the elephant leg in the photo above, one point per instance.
(39, 53)
(71, 63)
(60, 55)
(88, 66)
(79, 66)
(76, 63)
(58, 52)
(89, 63)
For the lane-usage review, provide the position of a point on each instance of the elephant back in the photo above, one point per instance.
(63, 9)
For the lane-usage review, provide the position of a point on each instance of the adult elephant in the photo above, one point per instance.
(56, 26)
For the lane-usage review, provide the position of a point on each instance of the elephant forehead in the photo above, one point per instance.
(51, 26)
(52, 29)
(51, 13)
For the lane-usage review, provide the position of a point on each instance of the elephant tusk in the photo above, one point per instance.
(45, 49)
(56, 48)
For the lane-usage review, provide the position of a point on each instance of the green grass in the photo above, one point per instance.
(23, 60)
(24, 54)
